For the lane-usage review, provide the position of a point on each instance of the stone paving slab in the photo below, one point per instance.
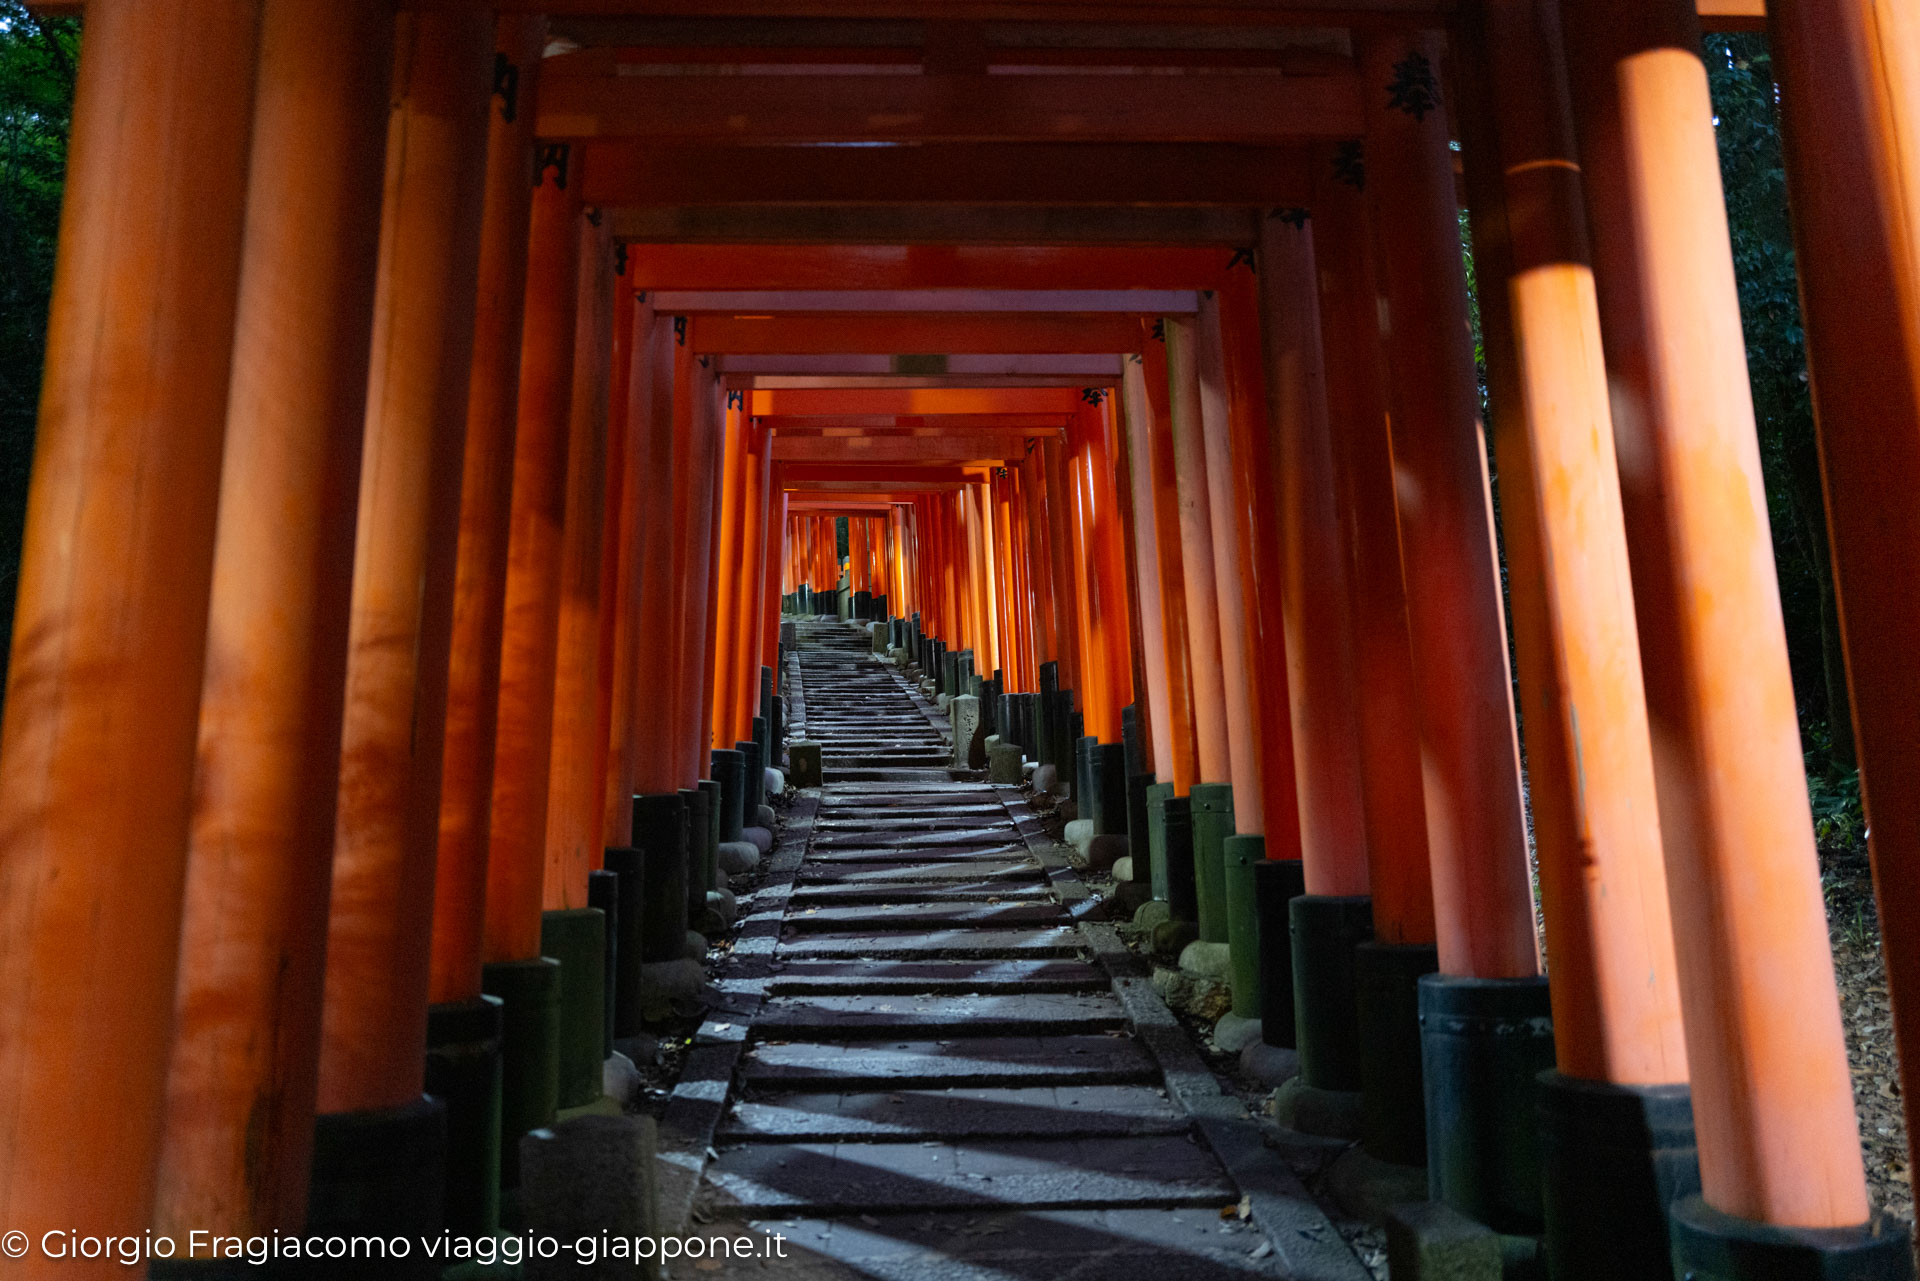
(913, 977)
(1060, 941)
(867, 850)
(1192, 1244)
(1023, 869)
(1077, 1111)
(802, 1178)
(952, 914)
(821, 894)
(980, 1061)
(890, 1015)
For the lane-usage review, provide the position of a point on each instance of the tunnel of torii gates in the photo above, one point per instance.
(1137, 361)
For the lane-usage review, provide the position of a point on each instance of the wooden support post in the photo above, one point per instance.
(717, 423)
(1137, 416)
(726, 606)
(523, 751)
(1389, 721)
(1109, 661)
(479, 601)
(576, 786)
(1849, 74)
(1315, 581)
(1184, 769)
(696, 478)
(238, 1140)
(109, 635)
(1483, 901)
(655, 613)
(374, 1028)
(1257, 515)
(1196, 553)
(621, 580)
(1772, 1098)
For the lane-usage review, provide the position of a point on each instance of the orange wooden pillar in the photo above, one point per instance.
(1137, 420)
(576, 785)
(378, 939)
(1184, 769)
(523, 751)
(479, 602)
(1850, 117)
(1109, 655)
(1618, 1036)
(731, 530)
(97, 750)
(1257, 525)
(1315, 581)
(1225, 534)
(1039, 557)
(748, 586)
(621, 581)
(237, 1145)
(1476, 836)
(721, 423)
(656, 613)
(1205, 671)
(1400, 880)
(697, 425)
(1772, 1099)
(1064, 573)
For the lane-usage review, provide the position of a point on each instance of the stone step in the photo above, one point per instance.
(950, 871)
(924, 855)
(792, 977)
(1075, 1111)
(800, 1178)
(1189, 1244)
(1061, 941)
(819, 894)
(922, 916)
(869, 1016)
(957, 1061)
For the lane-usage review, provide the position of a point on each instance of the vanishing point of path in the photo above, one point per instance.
(939, 1069)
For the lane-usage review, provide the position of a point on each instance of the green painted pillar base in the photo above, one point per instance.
(1711, 1246)
(1170, 841)
(1484, 1044)
(529, 993)
(1393, 1106)
(1276, 883)
(577, 938)
(1325, 929)
(1240, 856)
(1212, 825)
(463, 1072)
(660, 834)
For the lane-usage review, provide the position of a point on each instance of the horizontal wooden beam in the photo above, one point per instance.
(911, 424)
(1143, 12)
(624, 172)
(763, 266)
(915, 332)
(996, 364)
(754, 304)
(895, 401)
(937, 225)
(1264, 109)
(776, 382)
(968, 447)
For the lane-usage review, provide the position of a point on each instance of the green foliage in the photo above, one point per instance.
(37, 61)
(1740, 73)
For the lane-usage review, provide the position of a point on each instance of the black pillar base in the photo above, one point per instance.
(381, 1173)
(1212, 825)
(1170, 839)
(626, 864)
(729, 770)
(577, 938)
(660, 834)
(1139, 844)
(603, 895)
(529, 993)
(699, 876)
(1711, 1246)
(1241, 857)
(1393, 1106)
(1612, 1158)
(463, 1072)
(1276, 883)
(1484, 1043)
(1325, 929)
(1107, 775)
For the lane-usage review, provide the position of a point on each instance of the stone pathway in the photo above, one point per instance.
(936, 1069)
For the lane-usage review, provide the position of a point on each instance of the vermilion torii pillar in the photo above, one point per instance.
(1196, 554)
(103, 690)
(1772, 1097)
(1479, 1135)
(375, 1021)
(523, 751)
(1849, 77)
(1617, 1127)
(576, 795)
(238, 1142)
(1184, 769)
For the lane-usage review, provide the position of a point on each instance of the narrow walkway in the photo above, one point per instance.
(939, 1076)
